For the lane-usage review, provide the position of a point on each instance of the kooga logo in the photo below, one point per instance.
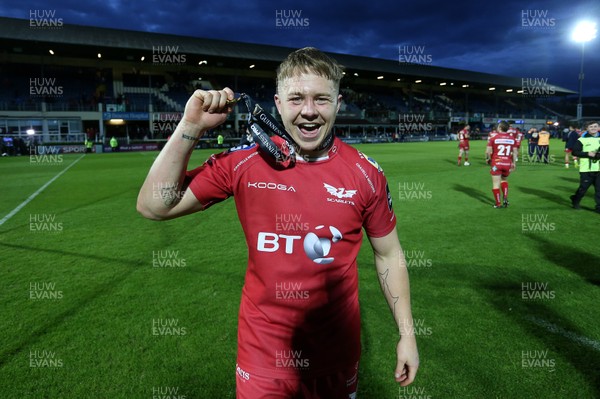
(271, 186)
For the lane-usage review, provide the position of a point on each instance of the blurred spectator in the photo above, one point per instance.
(532, 141)
(543, 144)
(114, 144)
(570, 140)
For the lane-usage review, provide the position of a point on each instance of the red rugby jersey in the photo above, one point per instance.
(503, 145)
(517, 135)
(299, 312)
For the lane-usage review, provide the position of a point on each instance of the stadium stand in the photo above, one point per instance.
(129, 94)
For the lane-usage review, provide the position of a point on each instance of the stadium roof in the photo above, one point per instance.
(18, 36)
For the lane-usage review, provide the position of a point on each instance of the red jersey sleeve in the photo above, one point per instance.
(379, 217)
(213, 181)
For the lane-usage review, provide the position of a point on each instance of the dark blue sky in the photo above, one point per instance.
(515, 38)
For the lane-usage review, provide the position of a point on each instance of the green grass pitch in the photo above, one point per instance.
(97, 302)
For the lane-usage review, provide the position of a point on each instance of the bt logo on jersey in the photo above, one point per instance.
(269, 242)
(317, 244)
(317, 247)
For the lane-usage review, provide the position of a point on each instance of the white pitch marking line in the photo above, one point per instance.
(565, 333)
(32, 196)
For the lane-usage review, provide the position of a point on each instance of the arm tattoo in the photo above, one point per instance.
(386, 289)
(186, 137)
(170, 194)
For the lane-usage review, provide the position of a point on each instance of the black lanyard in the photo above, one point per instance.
(260, 122)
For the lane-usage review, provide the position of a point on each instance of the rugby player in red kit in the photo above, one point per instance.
(501, 151)
(303, 202)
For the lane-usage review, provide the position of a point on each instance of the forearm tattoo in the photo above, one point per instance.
(191, 138)
(386, 290)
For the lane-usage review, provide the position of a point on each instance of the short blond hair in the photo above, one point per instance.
(310, 60)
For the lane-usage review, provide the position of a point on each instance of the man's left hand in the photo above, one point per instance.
(408, 360)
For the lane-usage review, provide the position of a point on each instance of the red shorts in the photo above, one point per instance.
(341, 385)
(500, 169)
(463, 145)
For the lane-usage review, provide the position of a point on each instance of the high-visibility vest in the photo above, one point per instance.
(544, 138)
(590, 143)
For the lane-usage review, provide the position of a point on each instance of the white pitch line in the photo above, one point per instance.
(32, 196)
(565, 333)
